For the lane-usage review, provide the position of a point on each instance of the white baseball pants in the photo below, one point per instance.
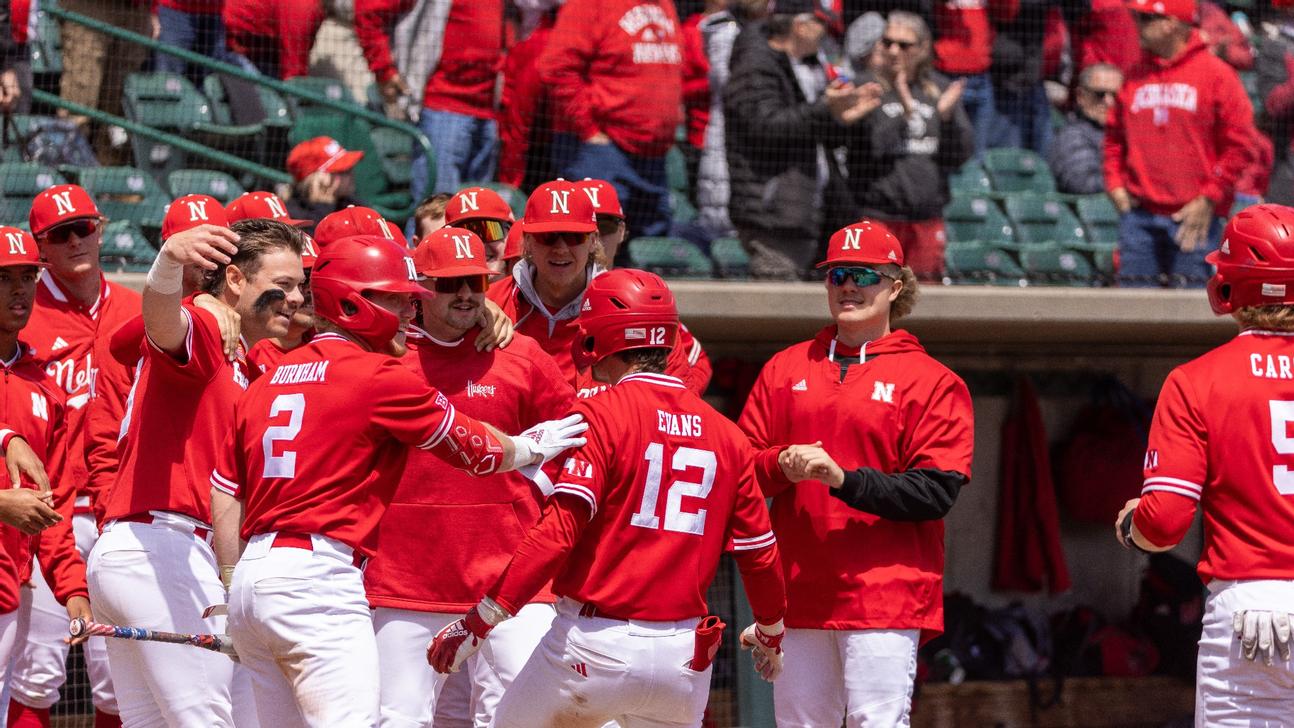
(300, 622)
(591, 670)
(410, 688)
(863, 677)
(41, 668)
(13, 633)
(161, 576)
(1230, 690)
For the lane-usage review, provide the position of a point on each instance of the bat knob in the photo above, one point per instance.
(77, 627)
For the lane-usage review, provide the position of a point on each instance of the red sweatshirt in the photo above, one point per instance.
(194, 7)
(696, 82)
(523, 109)
(1225, 38)
(964, 33)
(288, 25)
(1178, 129)
(616, 67)
(464, 79)
(1108, 34)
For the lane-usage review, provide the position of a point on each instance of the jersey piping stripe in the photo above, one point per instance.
(441, 431)
(329, 336)
(223, 484)
(1265, 332)
(663, 380)
(694, 353)
(1171, 489)
(750, 544)
(1164, 480)
(580, 491)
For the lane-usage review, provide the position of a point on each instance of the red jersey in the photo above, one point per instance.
(669, 485)
(289, 26)
(265, 355)
(478, 521)
(33, 406)
(307, 456)
(897, 410)
(175, 423)
(194, 7)
(1179, 128)
(109, 390)
(616, 67)
(63, 333)
(1222, 438)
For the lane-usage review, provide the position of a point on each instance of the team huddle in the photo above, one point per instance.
(375, 464)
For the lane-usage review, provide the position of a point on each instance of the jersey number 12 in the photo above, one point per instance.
(676, 519)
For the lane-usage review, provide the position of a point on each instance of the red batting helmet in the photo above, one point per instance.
(625, 309)
(1255, 265)
(349, 267)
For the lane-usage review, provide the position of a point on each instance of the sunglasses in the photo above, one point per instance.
(1102, 93)
(609, 225)
(862, 277)
(83, 228)
(902, 44)
(489, 231)
(475, 284)
(571, 239)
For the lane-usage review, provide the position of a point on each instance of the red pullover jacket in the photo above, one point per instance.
(964, 33)
(1179, 128)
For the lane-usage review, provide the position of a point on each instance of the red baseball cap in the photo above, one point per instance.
(309, 251)
(559, 207)
(321, 154)
(191, 211)
(866, 242)
(260, 204)
(355, 220)
(18, 247)
(512, 244)
(603, 196)
(1186, 11)
(451, 252)
(60, 204)
(477, 203)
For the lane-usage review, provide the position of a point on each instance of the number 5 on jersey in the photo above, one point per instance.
(676, 519)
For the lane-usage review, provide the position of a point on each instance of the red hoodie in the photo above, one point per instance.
(524, 104)
(1108, 34)
(1180, 128)
(696, 81)
(194, 7)
(290, 25)
(616, 67)
(964, 33)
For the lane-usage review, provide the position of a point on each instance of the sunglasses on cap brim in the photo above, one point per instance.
(489, 231)
(861, 276)
(82, 228)
(475, 284)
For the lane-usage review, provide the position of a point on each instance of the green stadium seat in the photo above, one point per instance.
(15, 211)
(977, 264)
(204, 182)
(170, 102)
(730, 259)
(515, 198)
(25, 180)
(46, 47)
(970, 180)
(681, 209)
(329, 88)
(126, 194)
(395, 149)
(277, 113)
(1018, 170)
(125, 248)
(1099, 218)
(676, 169)
(1055, 265)
(1044, 220)
(977, 220)
(1103, 261)
(669, 257)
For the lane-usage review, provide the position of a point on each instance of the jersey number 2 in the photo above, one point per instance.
(676, 519)
(285, 465)
(1282, 415)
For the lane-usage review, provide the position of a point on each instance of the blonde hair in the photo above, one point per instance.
(903, 305)
(1268, 318)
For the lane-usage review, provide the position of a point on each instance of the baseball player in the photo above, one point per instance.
(862, 535)
(1221, 440)
(34, 407)
(308, 472)
(488, 216)
(153, 565)
(261, 205)
(633, 535)
(477, 522)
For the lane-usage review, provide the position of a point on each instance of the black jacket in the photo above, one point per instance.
(772, 135)
(1017, 45)
(899, 167)
(1076, 156)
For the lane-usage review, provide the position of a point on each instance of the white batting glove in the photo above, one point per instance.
(1264, 632)
(547, 440)
(765, 644)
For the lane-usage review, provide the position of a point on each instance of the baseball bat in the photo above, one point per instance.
(214, 642)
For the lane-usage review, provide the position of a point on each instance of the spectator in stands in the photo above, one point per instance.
(1224, 38)
(615, 71)
(1179, 136)
(1023, 113)
(782, 113)
(525, 110)
(718, 33)
(902, 152)
(444, 56)
(15, 63)
(964, 37)
(1076, 152)
(95, 66)
(194, 25)
(696, 92)
(324, 178)
(429, 215)
(1276, 89)
(1107, 33)
(273, 36)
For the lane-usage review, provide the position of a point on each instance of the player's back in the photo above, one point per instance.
(672, 481)
(1233, 409)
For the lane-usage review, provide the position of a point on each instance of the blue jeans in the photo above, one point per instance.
(466, 151)
(1148, 253)
(203, 34)
(1023, 120)
(640, 182)
(977, 100)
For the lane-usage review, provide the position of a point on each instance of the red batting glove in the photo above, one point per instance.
(459, 640)
(765, 643)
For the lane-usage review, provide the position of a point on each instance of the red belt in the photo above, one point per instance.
(199, 531)
(284, 540)
(589, 610)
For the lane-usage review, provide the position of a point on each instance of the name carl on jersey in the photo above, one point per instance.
(1271, 366)
(312, 371)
